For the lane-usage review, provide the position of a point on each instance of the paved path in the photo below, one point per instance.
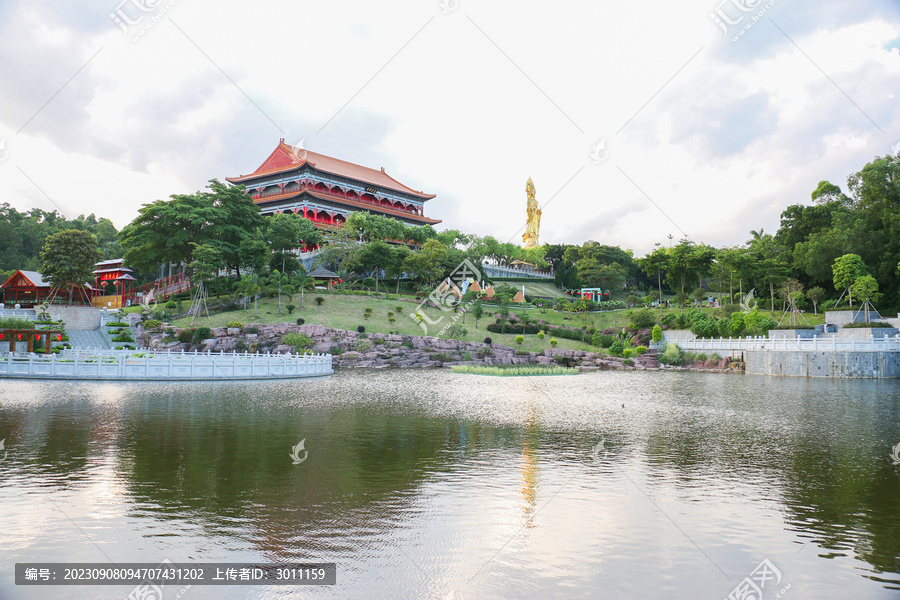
(87, 339)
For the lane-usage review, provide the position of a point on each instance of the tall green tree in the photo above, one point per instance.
(68, 259)
(847, 269)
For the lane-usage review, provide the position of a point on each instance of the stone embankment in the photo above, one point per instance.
(378, 350)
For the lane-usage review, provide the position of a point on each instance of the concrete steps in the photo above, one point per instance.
(87, 339)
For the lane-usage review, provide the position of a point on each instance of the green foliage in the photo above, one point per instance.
(16, 323)
(362, 346)
(657, 333)
(553, 342)
(202, 333)
(170, 305)
(628, 352)
(617, 348)
(290, 308)
(297, 340)
(540, 335)
(602, 340)
(862, 325)
(123, 337)
(513, 370)
(152, 324)
(628, 362)
(457, 331)
(234, 325)
(520, 339)
(642, 318)
(672, 355)
(336, 350)
(319, 300)
(640, 350)
(484, 351)
(68, 258)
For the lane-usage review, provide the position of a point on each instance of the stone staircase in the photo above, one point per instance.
(87, 339)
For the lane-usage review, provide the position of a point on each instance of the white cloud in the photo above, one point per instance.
(466, 105)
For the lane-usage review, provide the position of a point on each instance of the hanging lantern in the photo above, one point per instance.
(58, 337)
(20, 337)
(37, 337)
(1, 336)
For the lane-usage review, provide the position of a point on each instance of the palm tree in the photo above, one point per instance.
(252, 286)
(302, 281)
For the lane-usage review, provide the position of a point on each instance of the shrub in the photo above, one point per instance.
(860, 325)
(520, 339)
(390, 313)
(484, 351)
(185, 336)
(504, 327)
(628, 362)
(657, 333)
(124, 337)
(617, 348)
(457, 330)
(602, 340)
(110, 324)
(368, 282)
(488, 341)
(628, 352)
(362, 346)
(297, 340)
(672, 355)
(640, 350)
(540, 335)
(234, 325)
(368, 309)
(202, 333)
(399, 309)
(240, 344)
(320, 300)
(642, 318)
(467, 355)
(553, 342)
(336, 350)
(251, 330)
(152, 324)
(392, 320)
(570, 333)
(301, 321)
(290, 308)
(361, 329)
(367, 315)
(170, 305)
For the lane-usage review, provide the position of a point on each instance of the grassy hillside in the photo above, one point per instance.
(341, 311)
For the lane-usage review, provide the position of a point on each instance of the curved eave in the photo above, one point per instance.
(361, 205)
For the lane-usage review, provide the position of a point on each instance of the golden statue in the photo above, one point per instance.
(533, 226)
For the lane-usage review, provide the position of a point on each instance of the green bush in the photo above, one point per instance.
(297, 340)
(368, 309)
(484, 351)
(602, 340)
(319, 300)
(457, 331)
(290, 308)
(362, 346)
(170, 305)
(628, 362)
(553, 342)
(152, 324)
(336, 350)
(628, 352)
(642, 318)
(640, 350)
(860, 325)
(123, 337)
(520, 339)
(399, 309)
(657, 333)
(617, 348)
(672, 355)
(392, 320)
(234, 325)
(251, 330)
(540, 335)
(202, 333)
(110, 324)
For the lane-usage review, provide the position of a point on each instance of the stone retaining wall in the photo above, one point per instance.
(842, 364)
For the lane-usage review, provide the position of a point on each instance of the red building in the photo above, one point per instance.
(28, 289)
(326, 190)
(112, 283)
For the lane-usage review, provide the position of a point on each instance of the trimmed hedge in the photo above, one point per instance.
(530, 328)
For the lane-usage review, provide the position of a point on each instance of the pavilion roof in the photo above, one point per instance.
(286, 158)
(324, 274)
(114, 270)
(111, 261)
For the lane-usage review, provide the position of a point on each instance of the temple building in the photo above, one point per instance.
(326, 190)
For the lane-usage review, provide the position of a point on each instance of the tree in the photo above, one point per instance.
(283, 234)
(477, 311)
(302, 281)
(815, 296)
(866, 290)
(68, 259)
(251, 286)
(655, 263)
(426, 264)
(253, 254)
(847, 269)
(281, 285)
(792, 292)
(373, 258)
(687, 264)
(236, 216)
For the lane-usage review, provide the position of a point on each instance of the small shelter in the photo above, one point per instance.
(115, 272)
(329, 277)
(28, 289)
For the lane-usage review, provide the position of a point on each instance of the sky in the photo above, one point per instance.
(636, 120)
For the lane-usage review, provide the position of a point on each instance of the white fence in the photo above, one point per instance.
(887, 344)
(132, 365)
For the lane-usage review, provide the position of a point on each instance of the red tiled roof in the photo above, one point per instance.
(286, 157)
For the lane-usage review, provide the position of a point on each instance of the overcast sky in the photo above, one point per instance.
(636, 120)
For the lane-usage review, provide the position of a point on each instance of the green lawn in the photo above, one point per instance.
(340, 311)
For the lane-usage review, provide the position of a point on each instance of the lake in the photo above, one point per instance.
(426, 484)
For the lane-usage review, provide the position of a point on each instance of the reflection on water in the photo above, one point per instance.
(419, 484)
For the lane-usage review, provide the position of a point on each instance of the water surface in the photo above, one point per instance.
(419, 484)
